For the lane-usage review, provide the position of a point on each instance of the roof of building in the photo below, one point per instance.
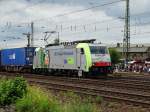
(132, 45)
(134, 49)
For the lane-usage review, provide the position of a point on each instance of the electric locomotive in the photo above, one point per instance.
(82, 57)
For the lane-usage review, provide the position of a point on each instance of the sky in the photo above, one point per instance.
(73, 19)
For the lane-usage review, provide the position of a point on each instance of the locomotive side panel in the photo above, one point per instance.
(64, 58)
(39, 58)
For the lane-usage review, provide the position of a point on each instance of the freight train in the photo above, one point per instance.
(78, 57)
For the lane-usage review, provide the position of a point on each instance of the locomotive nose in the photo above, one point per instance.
(102, 64)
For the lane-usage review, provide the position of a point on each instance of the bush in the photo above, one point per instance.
(115, 56)
(11, 90)
(37, 100)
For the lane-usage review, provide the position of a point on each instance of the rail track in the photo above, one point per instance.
(131, 90)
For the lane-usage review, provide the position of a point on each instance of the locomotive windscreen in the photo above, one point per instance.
(98, 50)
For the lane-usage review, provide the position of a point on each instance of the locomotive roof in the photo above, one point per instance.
(73, 46)
(97, 44)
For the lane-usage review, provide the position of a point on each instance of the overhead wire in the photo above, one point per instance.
(81, 10)
(77, 11)
(104, 29)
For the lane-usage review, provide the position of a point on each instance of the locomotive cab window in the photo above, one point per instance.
(82, 51)
(98, 50)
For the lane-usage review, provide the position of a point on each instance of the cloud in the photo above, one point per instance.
(101, 23)
(136, 7)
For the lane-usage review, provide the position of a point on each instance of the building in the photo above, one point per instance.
(136, 52)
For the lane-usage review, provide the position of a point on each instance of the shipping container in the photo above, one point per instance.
(17, 56)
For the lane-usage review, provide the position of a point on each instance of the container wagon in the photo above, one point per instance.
(17, 59)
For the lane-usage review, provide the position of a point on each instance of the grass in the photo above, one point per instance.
(34, 99)
(25, 98)
(74, 103)
(37, 100)
(78, 107)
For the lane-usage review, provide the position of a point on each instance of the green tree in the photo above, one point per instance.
(115, 55)
(56, 41)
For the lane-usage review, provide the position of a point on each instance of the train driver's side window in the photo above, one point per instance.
(82, 51)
